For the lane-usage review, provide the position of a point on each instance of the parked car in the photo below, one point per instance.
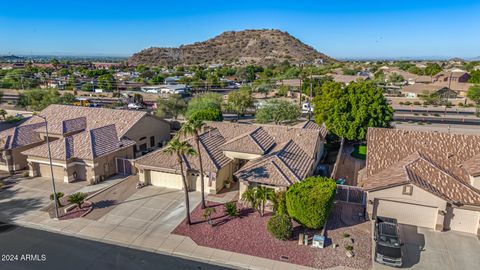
(134, 106)
(388, 248)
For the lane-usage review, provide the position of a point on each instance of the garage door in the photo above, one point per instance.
(412, 214)
(464, 221)
(168, 180)
(44, 171)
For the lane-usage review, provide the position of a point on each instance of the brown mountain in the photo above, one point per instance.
(260, 47)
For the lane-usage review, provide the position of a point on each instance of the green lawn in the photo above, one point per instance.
(360, 151)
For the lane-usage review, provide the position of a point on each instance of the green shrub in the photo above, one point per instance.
(346, 235)
(309, 202)
(207, 115)
(59, 195)
(349, 247)
(280, 226)
(25, 174)
(417, 103)
(230, 209)
(77, 198)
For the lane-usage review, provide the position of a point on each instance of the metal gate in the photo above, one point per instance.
(124, 166)
(350, 194)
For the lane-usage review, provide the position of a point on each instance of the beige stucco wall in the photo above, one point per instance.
(15, 160)
(419, 196)
(475, 181)
(149, 126)
(105, 166)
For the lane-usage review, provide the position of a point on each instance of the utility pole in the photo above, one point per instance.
(51, 167)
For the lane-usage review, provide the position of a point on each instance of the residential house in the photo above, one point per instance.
(274, 156)
(347, 79)
(86, 143)
(451, 77)
(425, 179)
(418, 89)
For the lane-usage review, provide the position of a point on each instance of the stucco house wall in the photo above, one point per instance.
(419, 196)
(147, 127)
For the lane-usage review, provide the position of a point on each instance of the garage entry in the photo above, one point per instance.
(44, 171)
(406, 213)
(168, 180)
(465, 220)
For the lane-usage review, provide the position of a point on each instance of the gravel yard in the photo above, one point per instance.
(248, 234)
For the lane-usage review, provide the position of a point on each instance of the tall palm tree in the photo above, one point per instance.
(181, 149)
(193, 127)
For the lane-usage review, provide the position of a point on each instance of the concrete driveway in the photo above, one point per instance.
(144, 219)
(432, 250)
(30, 194)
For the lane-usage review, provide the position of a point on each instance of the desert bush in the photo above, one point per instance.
(230, 209)
(280, 226)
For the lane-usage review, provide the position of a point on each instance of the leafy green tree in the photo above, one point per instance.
(173, 106)
(395, 78)
(3, 113)
(39, 99)
(348, 111)
(240, 100)
(431, 98)
(88, 86)
(277, 111)
(432, 69)
(194, 127)
(204, 102)
(181, 150)
(416, 70)
(207, 115)
(474, 94)
(283, 91)
(77, 198)
(309, 202)
(474, 76)
(106, 82)
(68, 98)
(263, 89)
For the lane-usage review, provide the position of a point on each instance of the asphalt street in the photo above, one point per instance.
(30, 249)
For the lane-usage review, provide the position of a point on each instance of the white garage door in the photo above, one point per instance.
(465, 220)
(168, 180)
(412, 214)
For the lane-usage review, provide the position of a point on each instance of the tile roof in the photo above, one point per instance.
(283, 167)
(84, 145)
(257, 141)
(61, 117)
(20, 136)
(212, 157)
(288, 152)
(440, 163)
(309, 124)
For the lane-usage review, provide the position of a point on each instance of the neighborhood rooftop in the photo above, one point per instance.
(440, 163)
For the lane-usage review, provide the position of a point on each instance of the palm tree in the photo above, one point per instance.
(192, 127)
(249, 196)
(59, 195)
(263, 194)
(77, 198)
(181, 149)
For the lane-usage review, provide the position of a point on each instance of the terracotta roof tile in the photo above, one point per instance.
(438, 162)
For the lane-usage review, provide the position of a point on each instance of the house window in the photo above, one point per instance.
(407, 190)
(152, 141)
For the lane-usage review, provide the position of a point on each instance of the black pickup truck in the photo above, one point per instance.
(388, 249)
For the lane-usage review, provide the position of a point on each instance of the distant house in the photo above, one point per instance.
(86, 143)
(425, 179)
(172, 80)
(268, 155)
(451, 77)
(418, 89)
(347, 79)
(166, 88)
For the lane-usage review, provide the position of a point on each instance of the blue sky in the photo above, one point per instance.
(338, 28)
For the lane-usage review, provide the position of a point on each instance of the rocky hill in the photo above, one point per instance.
(260, 47)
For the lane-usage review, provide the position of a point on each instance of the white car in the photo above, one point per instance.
(134, 106)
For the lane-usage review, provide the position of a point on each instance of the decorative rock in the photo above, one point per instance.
(351, 240)
(350, 254)
(335, 245)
